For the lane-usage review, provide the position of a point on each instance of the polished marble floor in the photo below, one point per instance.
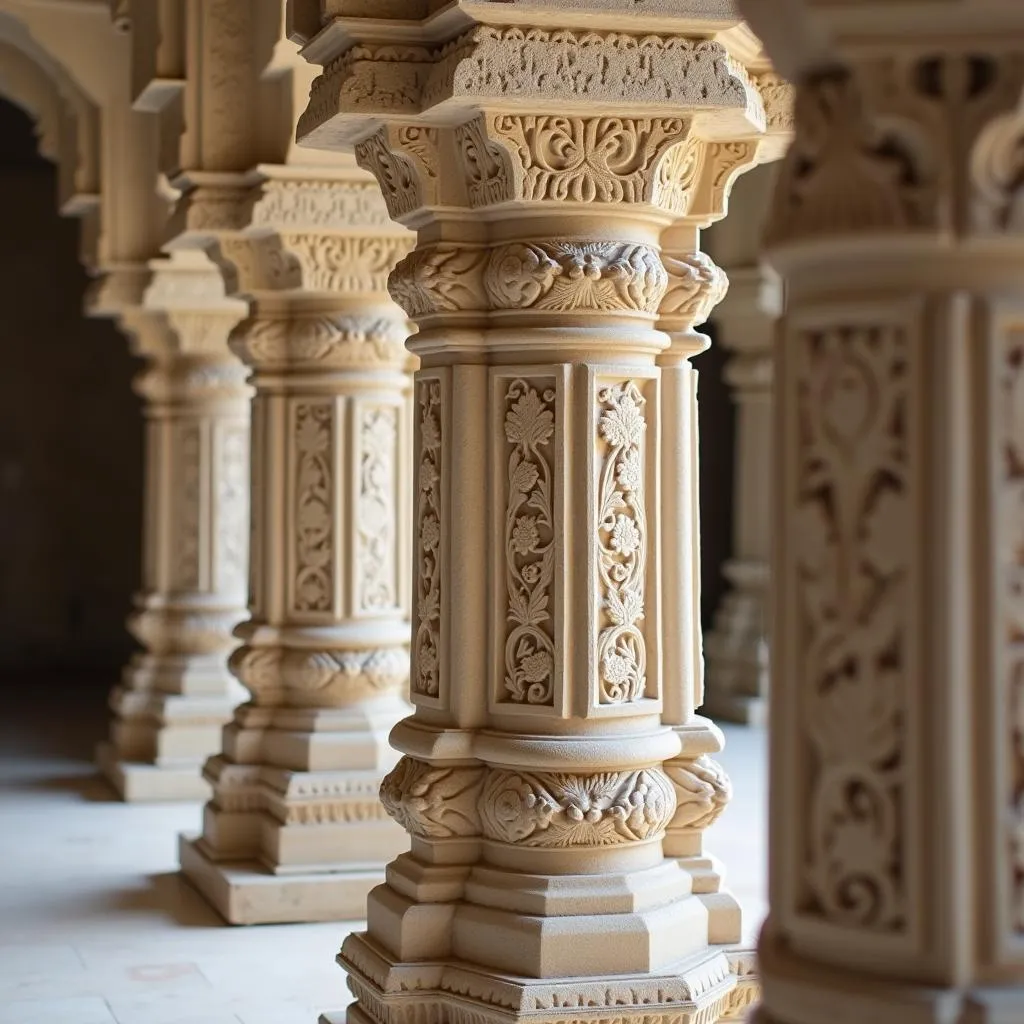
(97, 928)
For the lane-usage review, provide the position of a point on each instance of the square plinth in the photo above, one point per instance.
(137, 782)
(244, 892)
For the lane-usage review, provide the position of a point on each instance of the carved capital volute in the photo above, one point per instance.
(696, 286)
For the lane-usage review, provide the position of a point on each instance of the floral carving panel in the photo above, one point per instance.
(377, 515)
(529, 662)
(427, 597)
(622, 542)
(852, 564)
(313, 440)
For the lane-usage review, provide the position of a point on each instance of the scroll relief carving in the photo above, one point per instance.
(537, 809)
(1010, 598)
(314, 506)
(530, 412)
(378, 443)
(558, 810)
(853, 536)
(345, 263)
(696, 286)
(622, 544)
(572, 276)
(323, 340)
(553, 157)
(702, 792)
(440, 803)
(549, 277)
(404, 161)
(426, 679)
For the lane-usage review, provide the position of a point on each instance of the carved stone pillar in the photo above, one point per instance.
(295, 831)
(896, 727)
(534, 783)
(737, 647)
(177, 694)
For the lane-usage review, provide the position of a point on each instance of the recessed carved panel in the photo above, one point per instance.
(852, 538)
(232, 508)
(622, 541)
(377, 514)
(313, 440)
(187, 460)
(428, 596)
(529, 546)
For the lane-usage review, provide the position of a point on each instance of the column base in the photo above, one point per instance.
(802, 991)
(245, 892)
(716, 985)
(139, 782)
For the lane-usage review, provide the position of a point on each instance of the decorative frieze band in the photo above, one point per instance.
(319, 678)
(606, 68)
(555, 276)
(536, 809)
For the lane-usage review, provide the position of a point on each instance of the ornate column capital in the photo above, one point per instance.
(432, 119)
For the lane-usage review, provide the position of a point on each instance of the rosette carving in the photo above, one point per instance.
(437, 802)
(559, 810)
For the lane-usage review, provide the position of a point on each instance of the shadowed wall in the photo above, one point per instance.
(70, 440)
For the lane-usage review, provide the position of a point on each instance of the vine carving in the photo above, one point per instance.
(853, 549)
(529, 544)
(427, 650)
(622, 544)
(314, 533)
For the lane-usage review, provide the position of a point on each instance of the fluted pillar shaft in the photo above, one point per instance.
(895, 877)
(176, 695)
(534, 784)
(294, 830)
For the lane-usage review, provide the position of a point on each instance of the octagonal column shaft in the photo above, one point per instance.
(895, 876)
(295, 830)
(534, 783)
(177, 694)
(737, 646)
